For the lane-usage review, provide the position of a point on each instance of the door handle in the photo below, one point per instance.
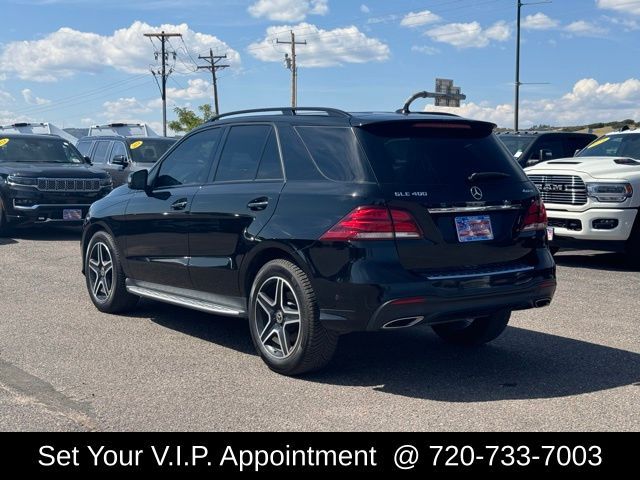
(258, 203)
(179, 204)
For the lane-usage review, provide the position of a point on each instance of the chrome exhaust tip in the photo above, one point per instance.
(405, 322)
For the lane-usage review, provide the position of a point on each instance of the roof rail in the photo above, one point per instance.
(331, 112)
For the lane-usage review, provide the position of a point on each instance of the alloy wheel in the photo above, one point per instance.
(277, 317)
(100, 266)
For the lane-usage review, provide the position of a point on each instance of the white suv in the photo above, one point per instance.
(592, 199)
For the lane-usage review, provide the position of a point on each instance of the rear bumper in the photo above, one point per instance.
(347, 307)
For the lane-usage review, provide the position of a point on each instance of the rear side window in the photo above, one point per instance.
(422, 153)
(84, 147)
(336, 153)
(270, 167)
(242, 152)
(100, 152)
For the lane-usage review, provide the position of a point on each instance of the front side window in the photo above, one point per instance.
(149, 150)
(189, 162)
(84, 147)
(118, 150)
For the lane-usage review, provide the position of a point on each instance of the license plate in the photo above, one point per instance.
(72, 214)
(474, 229)
(550, 233)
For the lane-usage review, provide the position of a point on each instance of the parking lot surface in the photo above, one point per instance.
(65, 366)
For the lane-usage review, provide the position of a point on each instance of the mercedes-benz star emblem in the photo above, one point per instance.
(476, 193)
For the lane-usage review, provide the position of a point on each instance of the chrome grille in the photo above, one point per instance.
(69, 184)
(561, 189)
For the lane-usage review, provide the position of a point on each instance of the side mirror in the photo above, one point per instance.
(87, 160)
(545, 155)
(120, 160)
(138, 180)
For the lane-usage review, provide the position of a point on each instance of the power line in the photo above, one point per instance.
(290, 63)
(164, 74)
(213, 65)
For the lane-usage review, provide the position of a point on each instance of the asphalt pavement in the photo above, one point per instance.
(65, 366)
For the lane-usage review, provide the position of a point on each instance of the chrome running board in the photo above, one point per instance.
(193, 303)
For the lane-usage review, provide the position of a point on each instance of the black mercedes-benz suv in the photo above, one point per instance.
(313, 222)
(43, 178)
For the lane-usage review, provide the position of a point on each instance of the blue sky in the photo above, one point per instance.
(75, 63)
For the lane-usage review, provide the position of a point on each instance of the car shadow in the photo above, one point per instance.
(521, 364)
(43, 233)
(614, 262)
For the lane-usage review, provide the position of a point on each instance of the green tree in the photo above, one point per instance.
(188, 119)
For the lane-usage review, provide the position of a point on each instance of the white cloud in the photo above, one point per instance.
(67, 52)
(426, 49)
(470, 35)
(539, 21)
(624, 6)
(627, 24)
(326, 48)
(365, 9)
(288, 10)
(588, 102)
(32, 99)
(196, 88)
(120, 110)
(583, 28)
(5, 97)
(416, 19)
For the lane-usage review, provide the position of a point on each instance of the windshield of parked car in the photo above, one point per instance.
(38, 150)
(149, 150)
(516, 144)
(621, 145)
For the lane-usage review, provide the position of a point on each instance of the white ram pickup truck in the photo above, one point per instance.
(592, 199)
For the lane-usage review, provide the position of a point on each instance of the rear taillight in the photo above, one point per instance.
(374, 223)
(536, 217)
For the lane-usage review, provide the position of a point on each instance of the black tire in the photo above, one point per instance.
(477, 331)
(4, 224)
(115, 299)
(632, 247)
(314, 345)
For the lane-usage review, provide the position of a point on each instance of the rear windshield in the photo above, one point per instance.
(622, 145)
(516, 144)
(420, 154)
(38, 150)
(145, 150)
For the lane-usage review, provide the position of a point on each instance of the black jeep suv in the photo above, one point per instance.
(316, 222)
(43, 178)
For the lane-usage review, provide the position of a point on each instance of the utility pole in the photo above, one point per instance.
(162, 36)
(213, 65)
(519, 6)
(290, 63)
(517, 99)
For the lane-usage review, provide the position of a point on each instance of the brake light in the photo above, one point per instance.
(536, 217)
(374, 223)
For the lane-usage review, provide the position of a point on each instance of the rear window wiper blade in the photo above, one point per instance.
(474, 177)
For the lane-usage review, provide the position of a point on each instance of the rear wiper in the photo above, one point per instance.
(474, 177)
